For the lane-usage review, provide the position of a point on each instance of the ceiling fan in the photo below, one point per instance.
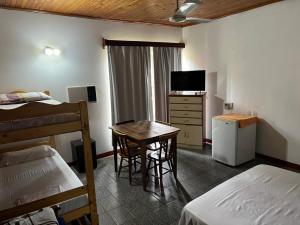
(182, 11)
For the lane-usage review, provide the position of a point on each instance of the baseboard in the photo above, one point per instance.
(110, 153)
(282, 163)
(190, 147)
(207, 141)
(105, 154)
(98, 156)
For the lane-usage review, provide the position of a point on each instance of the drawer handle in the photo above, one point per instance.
(185, 114)
(185, 99)
(186, 107)
(186, 121)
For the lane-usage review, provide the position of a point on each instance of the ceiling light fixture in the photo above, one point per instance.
(56, 52)
(51, 51)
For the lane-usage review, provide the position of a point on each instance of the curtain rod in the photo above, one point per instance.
(141, 43)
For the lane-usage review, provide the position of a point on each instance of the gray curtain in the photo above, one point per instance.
(166, 60)
(129, 69)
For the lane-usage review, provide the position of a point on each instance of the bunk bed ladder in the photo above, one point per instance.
(88, 162)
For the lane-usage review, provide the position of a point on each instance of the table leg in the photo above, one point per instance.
(115, 146)
(175, 157)
(143, 152)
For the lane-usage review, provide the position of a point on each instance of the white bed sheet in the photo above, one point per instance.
(262, 195)
(14, 106)
(35, 179)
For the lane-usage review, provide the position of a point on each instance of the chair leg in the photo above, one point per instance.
(148, 168)
(170, 166)
(129, 166)
(120, 166)
(135, 164)
(161, 177)
(155, 171)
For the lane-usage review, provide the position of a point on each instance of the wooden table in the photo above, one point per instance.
(144, 133)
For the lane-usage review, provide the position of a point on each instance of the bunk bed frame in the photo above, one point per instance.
(37, 109)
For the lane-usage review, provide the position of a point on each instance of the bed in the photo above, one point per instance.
(261, 195)
(34, 184)
(36, 121)
(36, 179)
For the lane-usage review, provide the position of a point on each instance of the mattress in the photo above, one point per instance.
(36, 121)
(262, 195)
(34, 180)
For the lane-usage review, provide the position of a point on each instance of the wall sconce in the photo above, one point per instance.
(52, 51)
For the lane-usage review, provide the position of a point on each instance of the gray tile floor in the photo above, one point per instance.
(121, 203)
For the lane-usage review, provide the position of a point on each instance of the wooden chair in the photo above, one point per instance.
(130, 143)
(155, 146)
(165, 153)
(127, 152)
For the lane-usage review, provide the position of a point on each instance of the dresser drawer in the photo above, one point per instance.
(186, 121)
(192, 114)
(186, 107)
(193, 100)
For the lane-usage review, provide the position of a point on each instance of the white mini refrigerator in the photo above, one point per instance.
(232, 145)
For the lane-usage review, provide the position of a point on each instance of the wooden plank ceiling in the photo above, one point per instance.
(144, 11)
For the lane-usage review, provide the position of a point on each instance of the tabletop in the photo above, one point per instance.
(144, 130)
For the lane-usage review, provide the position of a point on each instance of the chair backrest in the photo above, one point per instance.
(123, 122)
(167, 146)
(122, 141)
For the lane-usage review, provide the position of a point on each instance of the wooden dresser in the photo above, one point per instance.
(186, 112)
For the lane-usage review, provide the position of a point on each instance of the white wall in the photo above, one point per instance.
(23, 36)
(256, 56)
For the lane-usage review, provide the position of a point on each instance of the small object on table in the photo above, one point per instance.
(78, 155)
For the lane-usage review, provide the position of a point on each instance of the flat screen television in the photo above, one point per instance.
(188, 80)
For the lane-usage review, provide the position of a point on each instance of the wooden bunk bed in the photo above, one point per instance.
(78, 123)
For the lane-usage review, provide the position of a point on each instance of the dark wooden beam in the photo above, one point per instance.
(141, 43)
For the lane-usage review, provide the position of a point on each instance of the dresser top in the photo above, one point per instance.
(187, 95)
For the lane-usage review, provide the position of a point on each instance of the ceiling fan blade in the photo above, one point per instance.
(197, 20)
(177, 18)
(187, 7)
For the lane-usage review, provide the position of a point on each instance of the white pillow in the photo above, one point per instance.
(29, 154)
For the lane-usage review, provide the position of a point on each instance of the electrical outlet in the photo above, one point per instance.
(228, 106)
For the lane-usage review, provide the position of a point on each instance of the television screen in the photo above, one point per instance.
(188, 80)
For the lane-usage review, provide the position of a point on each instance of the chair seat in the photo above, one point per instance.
(132, 145)
(153, 146)
(155, 156)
